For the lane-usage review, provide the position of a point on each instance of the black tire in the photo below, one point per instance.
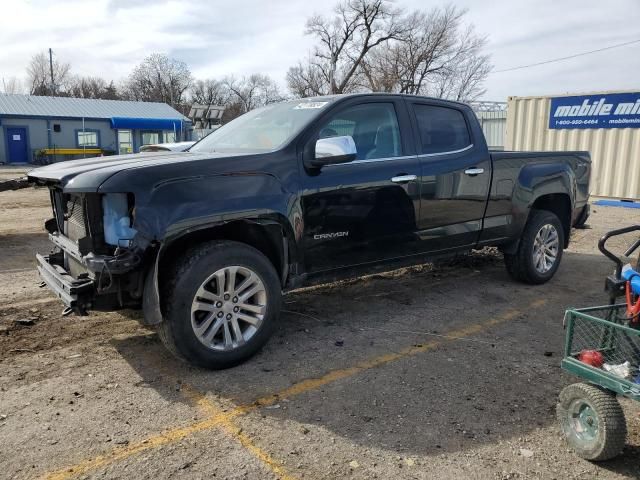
(183, 281)
(521, 264)
(611, 429)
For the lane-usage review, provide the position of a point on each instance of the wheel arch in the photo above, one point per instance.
(270, 236)
(560, 205)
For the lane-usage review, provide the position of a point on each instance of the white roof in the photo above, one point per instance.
(35, 106)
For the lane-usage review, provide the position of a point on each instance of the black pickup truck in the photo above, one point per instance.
(296, 193)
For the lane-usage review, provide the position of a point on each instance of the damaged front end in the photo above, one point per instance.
(97, 260)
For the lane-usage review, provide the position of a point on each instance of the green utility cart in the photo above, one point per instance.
(603, 348)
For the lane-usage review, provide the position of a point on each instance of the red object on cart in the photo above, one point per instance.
(591, 357)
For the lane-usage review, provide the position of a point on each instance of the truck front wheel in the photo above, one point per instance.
(540, 249)
(222, 301)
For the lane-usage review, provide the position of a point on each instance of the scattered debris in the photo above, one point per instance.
(548, 354)
(526, 453)
(25, 322)
(22, 350)
(75, 355)
(354, 464)
(339, 343)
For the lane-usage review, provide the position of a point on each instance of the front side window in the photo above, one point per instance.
(373, 127)
(87, 138)
(442, 129)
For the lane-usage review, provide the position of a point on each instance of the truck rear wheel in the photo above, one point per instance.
(539, 251)
(222, 301)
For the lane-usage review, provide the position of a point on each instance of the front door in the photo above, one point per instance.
(366, 210)
(125, 141)
(455, 176)
(17, 145)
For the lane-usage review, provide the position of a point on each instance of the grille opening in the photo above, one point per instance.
(75, 225)
(82, 222)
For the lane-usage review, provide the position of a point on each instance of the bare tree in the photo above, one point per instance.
(356, 28)
(12, 85)
(307, 80)
(159, 79)
(465, 80)
(253, 91)
(92, 87)
(436, 56)
(422, 52)
(209, 92)
(39, 75)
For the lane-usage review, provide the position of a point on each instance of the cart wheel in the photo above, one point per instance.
(592, 420)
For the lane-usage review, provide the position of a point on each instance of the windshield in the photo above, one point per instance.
(263, 129)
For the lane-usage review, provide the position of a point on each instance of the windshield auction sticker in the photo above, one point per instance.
(304, 105)
(612, 110)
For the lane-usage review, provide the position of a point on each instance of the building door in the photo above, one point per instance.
(125, 142)
(17, 144)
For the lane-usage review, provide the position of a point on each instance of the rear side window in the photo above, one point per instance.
(442, 129)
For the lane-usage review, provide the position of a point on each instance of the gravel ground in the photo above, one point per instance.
(448, 371)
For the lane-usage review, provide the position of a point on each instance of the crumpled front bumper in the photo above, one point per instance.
(76, 294)
(79, 280)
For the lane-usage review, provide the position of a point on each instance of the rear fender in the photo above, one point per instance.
(534, 182)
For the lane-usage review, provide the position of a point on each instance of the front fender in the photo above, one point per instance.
(187, 204)
(179, 207)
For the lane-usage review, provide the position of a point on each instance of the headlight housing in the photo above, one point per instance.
(116, 220)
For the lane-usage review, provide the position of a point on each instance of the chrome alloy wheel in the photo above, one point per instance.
(228, 308)
(545, 248)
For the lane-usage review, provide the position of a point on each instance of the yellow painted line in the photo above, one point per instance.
(276, 467)
(335, 375)
(224, 419)
(168, 437)
(226, 424)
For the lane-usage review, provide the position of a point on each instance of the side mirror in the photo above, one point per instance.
(334, 150)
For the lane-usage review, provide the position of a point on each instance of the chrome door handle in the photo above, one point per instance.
(474, 171)
(404, 178)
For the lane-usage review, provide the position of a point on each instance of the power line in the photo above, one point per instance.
(567, 58)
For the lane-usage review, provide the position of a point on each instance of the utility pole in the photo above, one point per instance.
(53, 85)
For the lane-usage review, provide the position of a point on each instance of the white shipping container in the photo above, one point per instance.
(493, 125)
(615, 152)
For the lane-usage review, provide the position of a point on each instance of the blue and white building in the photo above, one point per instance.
(29, 124)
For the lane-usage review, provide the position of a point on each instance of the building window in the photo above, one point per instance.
(88, 138)
(169, 136)
(150, 138)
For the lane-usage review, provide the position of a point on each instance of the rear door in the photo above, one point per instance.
(455, 174)
(366, 210)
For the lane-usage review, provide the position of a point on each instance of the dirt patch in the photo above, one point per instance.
(370, 382)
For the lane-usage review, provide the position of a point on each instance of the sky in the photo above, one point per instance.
(108, 38)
